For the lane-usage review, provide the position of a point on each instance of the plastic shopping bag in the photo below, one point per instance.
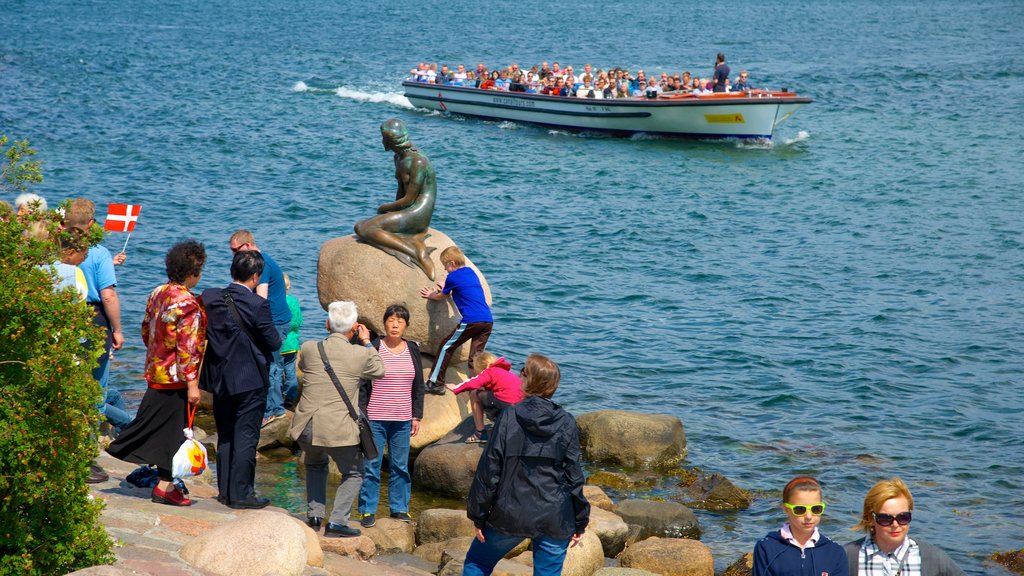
(190, 459)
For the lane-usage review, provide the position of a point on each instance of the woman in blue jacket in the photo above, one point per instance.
(798, 549)
(529, 483)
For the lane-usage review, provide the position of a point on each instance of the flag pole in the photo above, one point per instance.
(126, 242)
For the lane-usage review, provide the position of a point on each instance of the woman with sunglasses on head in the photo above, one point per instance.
(798, 549)
(887, 550)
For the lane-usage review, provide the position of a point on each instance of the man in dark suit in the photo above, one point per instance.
(240, 344)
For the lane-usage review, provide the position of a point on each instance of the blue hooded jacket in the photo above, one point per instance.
(774, 556)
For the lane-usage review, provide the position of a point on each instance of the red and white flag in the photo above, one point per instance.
(121, 217)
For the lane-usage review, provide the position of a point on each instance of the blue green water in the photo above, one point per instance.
(845, 301)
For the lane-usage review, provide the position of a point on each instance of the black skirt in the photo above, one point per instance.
(156, 432)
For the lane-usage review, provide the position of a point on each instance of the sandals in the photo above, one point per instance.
(478, 437)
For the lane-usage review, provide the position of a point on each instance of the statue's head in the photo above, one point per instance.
(395, 134)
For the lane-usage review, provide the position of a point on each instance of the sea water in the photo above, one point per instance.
(844, 301)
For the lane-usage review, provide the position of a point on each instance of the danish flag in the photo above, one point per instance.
(121, 217)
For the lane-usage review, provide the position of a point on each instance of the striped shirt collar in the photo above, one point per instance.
(787, 534)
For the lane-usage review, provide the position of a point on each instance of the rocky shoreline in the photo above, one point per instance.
(630, 537)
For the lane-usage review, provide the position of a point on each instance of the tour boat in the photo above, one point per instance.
(752, 114)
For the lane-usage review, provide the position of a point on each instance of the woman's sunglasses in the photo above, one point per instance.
(903, 518)
(800, 509)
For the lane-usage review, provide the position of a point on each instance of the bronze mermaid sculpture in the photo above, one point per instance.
(401, 227)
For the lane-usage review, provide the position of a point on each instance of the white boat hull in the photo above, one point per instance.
(715, 116)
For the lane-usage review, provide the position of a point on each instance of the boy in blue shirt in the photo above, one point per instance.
(468, 293)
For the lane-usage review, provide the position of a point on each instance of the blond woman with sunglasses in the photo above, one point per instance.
(887, 550)
(797, 548)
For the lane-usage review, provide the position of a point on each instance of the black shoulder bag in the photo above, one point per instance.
(238, 320)
(365, 434)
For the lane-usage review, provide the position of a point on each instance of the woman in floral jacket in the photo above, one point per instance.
(174, 332)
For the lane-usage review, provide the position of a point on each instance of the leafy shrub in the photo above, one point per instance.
(49, 524)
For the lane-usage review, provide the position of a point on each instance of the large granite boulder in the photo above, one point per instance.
(392, 536)
(257, 542)
(716, 492)
(632, 439)
(656, 518)
(670, 557)
(443, 524)
(610, 528)
(275, 434)
(447, 467)
(441, 414)
(373, 279)
(581, 560)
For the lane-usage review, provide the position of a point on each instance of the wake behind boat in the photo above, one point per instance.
(749, 114)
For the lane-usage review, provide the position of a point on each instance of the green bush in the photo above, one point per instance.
(49, 524)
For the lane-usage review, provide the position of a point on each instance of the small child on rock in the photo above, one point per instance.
(491, 390)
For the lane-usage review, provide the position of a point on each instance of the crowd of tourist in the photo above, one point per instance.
(556, 80)
(529, 481)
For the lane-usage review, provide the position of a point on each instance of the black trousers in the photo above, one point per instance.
(238, 432)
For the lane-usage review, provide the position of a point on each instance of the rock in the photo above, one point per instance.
(392, 536)
(455, 549)
(407, 561)
(360, 547)
(742, 567)
(655, 518)
(443, 524)
(447, 468)
(1012, 561)
(314, 554)
(670, 557)
(452, 556)
(257, 542)
(622, 481)
(345, 566)
(275, 434)
(632, 439)
(581, 560)
(611, 529)
(103, 570)
(619, 571)
(441, 414)
(431, 552)
(373, 279)
(597, 498)
(506, 567)
(716, 492)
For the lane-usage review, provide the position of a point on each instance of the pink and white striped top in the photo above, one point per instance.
(391, 398)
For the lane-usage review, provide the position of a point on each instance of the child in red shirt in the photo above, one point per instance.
(493, 388)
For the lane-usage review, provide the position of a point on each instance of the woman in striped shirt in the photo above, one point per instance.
(394, 406)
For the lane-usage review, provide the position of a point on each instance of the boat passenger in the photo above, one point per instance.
(488, 82)
(623, 90)
(459, 77)
(653, 89)
(606, 88)
(444, 76)
(533, 87)
(518, 83)
(640, 89)
(586, 90)
(742, 84)
(721, 74)
(545, 70)
(587, 71)
(634, 85)
(502, 82)
(560, 88)
(419, 73)
(556, 69)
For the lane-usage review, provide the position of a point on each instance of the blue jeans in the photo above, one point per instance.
(396, 436)
(548, 553)
(290, 391)
(275, 401)
(114, 410)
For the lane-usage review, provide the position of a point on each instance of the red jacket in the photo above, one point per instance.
(497, 378)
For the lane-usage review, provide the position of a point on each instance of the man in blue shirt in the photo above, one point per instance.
(271, 286)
